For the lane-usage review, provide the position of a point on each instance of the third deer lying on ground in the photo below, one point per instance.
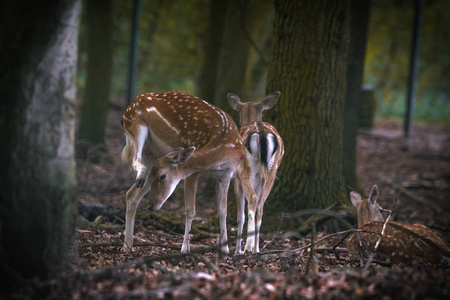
(265, 149)
(400, 242)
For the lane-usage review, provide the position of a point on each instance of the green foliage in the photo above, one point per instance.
(170, 45)
(173, 33)
(387, 59)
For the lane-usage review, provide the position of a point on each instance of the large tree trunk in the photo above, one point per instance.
(308, 65)
(355, 68)
(99, 70)
(38, 52)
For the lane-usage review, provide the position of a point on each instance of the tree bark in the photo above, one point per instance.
(38, 52)
(99, 69)
(359, 21)
(308, 65)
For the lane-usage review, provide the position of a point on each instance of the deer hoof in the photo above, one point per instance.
(140, 183)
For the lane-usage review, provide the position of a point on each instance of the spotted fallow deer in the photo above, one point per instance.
(400, 242)
(173, 136)
(264, 148)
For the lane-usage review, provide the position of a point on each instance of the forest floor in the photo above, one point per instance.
(415, 171)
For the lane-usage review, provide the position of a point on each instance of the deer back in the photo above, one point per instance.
(180, 120)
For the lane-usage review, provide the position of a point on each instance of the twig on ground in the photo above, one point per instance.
(276, 234)
(311, 260)
(377, 244)
(384, 226)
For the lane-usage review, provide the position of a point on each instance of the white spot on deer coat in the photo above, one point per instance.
(153, 109)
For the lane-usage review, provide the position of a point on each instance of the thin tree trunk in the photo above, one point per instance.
(38, 52)
(233, 56)
(99, 70)
(208, 76)
(355, 68)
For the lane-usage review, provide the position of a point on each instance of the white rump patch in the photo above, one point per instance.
(254, 145)
(271, 142)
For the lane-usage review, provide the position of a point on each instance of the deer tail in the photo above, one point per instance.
(127, 150)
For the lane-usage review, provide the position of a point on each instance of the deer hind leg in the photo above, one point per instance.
(138, 165)
(134, 197)
(222, 185)
(240, 203)
(190, 190)
(264, 193)
(251, 228)
(259, 214)
(249, 192)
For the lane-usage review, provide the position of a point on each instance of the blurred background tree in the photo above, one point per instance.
(386, 66)
(177, 35)
(97, 92)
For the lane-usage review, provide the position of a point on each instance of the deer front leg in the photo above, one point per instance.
(190, 191)
(240, 203)
(134, 196)
(138, 166)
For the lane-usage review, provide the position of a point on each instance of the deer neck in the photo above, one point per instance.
(366, 213)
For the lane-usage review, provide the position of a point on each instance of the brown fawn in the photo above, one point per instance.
(400, 242)
(265, 149)
(173, 136)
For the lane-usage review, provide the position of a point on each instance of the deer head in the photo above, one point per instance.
(165, 175)
(367, 209)
(250, 111)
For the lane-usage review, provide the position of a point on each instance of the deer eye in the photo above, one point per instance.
(163, 176)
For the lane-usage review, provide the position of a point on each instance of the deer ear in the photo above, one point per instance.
(180, 155)
(373, 196)
(355, 197)
(174, 152)
(184, 155)
(270, 101)
(234, 101)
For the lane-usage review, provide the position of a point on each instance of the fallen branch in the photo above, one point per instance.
(336, 210)
(120, 244)
(384, 227)
(276, 234)
(372, 254)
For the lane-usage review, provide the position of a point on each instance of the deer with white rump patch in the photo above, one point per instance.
(173, 136)
(399, 242)
(265, 149)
